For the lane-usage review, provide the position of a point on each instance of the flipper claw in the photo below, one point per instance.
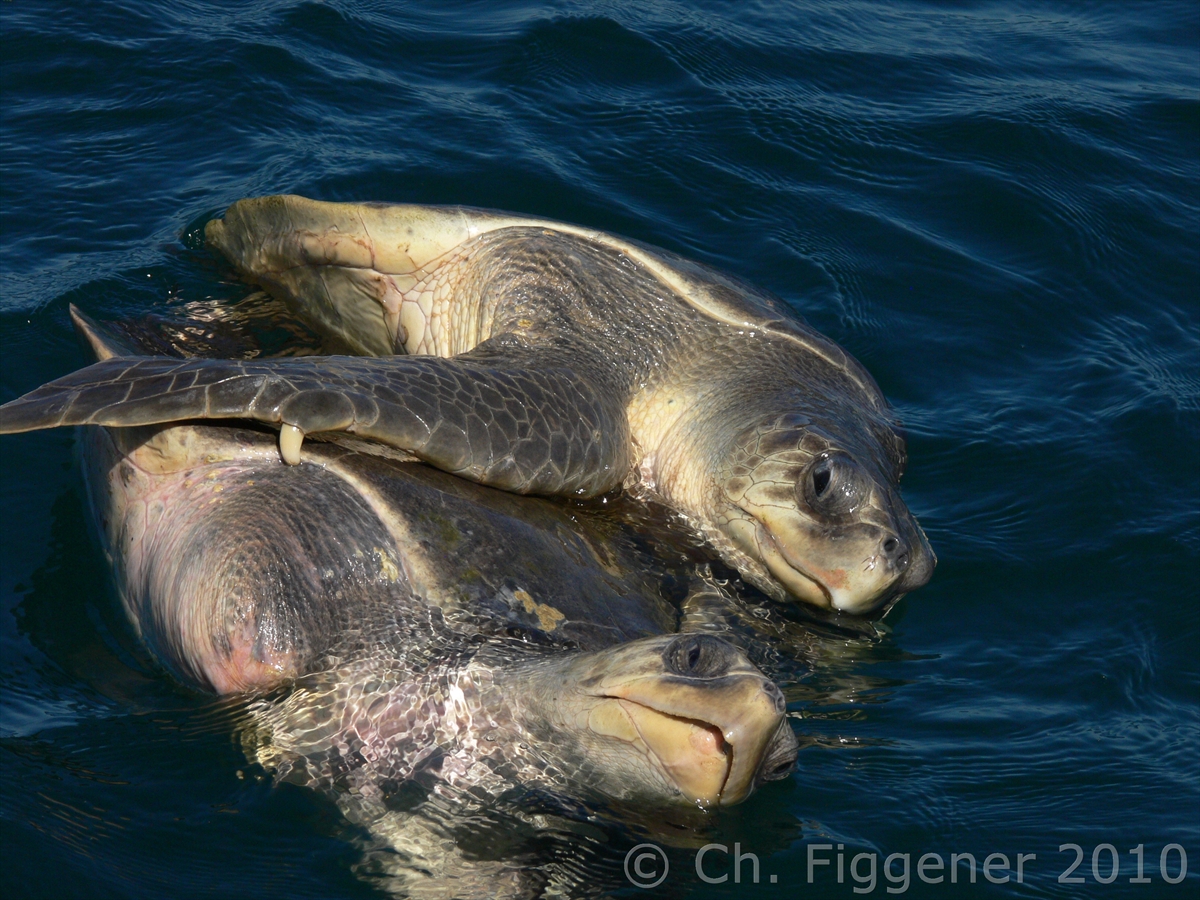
(290, 440)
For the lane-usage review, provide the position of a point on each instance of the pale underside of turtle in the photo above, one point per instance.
(544, 358)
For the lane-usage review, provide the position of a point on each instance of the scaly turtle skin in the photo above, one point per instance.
(421, 633)
(545, 358)
(428, 623)
(396, 608)
(429, 653)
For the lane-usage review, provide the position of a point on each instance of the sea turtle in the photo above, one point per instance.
(401, 626)
(546, 358)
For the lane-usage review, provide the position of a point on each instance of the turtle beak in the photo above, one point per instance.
(865, 571)
(715, 738)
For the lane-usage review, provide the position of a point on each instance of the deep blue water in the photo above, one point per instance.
(994, 206)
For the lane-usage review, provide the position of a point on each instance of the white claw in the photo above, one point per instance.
(290, 440)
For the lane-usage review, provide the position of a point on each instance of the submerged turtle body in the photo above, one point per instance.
(413, 635)
(424, 618)
(427, 623)
(545, 358)
(424, 650)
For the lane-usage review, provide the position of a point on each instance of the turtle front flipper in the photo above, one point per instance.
(490, 418)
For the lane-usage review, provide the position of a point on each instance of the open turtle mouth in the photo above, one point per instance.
(707, 764)
(693, 753)
(705, 722)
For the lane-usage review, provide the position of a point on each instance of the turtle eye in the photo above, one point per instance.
(822, 475)
(834, 485)
(699, 656)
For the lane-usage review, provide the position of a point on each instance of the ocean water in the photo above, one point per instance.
(994, 206)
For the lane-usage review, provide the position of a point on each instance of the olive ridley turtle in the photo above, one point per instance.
(545, 358)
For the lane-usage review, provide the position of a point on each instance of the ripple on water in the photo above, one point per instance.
(992, 206)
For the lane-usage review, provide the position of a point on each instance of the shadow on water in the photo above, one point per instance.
(71, 614)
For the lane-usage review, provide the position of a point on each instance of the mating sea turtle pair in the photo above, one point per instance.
(544, 358)
(436, 632)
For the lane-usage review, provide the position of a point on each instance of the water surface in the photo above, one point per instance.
(994, 206)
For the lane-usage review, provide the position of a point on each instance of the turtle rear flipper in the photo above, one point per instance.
(488, 416)
(344, 268)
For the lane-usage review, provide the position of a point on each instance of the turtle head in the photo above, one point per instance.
(810, 510)
(669, 719)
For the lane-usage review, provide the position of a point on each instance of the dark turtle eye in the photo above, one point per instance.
(822, 475)
(698, 656)
(834, 485)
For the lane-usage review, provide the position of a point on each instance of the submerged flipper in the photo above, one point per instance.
(499, 420)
